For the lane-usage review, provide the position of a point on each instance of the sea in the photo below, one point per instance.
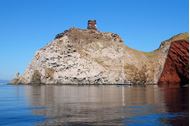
(93, 105)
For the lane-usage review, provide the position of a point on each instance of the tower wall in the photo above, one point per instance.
(92, 24)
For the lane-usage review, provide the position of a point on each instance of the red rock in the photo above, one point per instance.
(176, 67)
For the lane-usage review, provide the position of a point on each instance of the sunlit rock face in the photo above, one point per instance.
(176, 68)
(89, 56)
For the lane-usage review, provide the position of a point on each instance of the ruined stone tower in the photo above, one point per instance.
(92, 24)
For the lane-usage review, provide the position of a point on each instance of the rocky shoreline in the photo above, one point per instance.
(87, 56)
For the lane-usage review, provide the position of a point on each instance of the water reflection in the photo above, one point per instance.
(109, 105)
(177, 101)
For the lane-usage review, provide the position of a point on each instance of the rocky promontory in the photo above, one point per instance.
(88, 56)
(176, 67)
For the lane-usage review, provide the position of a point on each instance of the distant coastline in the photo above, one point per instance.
(4, 81)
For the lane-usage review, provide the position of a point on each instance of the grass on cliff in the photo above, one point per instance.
(181, 36)
(152, 54)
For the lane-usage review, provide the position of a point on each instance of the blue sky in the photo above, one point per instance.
(27, 25)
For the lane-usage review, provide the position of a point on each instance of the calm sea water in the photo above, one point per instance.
(26, 105)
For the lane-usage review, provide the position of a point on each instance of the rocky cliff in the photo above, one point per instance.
(176, 68)
(89, 56)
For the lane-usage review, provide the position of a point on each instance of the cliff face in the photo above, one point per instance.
(79, 56)
(176, 68)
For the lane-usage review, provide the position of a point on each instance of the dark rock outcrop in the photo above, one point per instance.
(176, 67)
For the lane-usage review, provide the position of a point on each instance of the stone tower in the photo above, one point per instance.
(92, 24)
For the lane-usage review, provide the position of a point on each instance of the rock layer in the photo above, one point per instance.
(176, 68)
(79, 56)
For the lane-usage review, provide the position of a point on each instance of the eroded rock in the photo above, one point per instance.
(176, 68)
(79, 56)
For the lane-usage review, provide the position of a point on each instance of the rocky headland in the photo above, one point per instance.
(88, 56)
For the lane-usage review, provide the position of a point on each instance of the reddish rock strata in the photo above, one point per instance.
(176, 67)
